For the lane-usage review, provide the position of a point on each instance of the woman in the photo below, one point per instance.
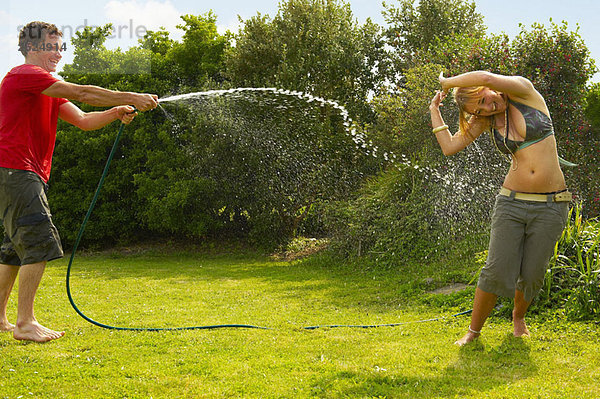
(531, 210)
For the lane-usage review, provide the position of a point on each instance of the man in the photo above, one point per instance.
(31, 101)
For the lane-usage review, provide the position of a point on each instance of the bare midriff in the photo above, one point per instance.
(535, 169)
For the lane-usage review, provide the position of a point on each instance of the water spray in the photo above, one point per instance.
(399, 161)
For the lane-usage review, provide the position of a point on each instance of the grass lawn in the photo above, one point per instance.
(166, 288)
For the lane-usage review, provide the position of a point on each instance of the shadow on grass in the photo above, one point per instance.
(476, 370)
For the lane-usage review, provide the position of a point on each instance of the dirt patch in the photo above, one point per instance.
(172, 246)
(300, 248)
(449, 289)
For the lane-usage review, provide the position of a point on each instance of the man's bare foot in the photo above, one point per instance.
(469, 337)
(34, 331)
(520, 328)
(6, 326)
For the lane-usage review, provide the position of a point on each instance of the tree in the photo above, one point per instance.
(416, 30)
(558, 63)
(200, 56)
(314, 46)
(159, 65)
(592, 107)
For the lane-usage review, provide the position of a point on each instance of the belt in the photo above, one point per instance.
(564, 196)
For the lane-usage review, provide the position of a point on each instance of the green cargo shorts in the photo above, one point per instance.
(29, 234)
(522, 240)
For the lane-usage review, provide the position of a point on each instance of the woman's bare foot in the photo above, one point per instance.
(520, 328)
(34, 331)
(6, 326)
(469, 337)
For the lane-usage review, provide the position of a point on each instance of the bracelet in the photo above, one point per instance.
(473, 331)
(440, 128)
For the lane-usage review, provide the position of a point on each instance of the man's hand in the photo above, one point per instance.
(145, 102)
(126, 113)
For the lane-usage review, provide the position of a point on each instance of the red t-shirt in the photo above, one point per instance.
(28, 120)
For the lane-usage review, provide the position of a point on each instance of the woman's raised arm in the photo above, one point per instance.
(453, 143)
(515, 86)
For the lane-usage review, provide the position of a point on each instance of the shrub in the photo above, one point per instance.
(590, 150)
(262, 160)
(573, 280)
(390, 219)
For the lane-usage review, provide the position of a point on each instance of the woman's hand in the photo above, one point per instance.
(436, 101)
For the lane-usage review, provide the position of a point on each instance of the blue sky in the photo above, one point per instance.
(134, 15)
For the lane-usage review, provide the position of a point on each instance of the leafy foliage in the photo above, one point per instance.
(413, 30)
(590, 135)
(573, 279)
(314, 46)
(389, 220)
(265, 169)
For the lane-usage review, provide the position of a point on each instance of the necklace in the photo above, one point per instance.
(512, 159)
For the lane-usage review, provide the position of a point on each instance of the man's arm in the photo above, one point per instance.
(97, 96)
(70, 113)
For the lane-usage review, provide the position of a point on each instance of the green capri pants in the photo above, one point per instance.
(522, 241)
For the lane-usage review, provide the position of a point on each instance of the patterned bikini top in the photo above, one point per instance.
(538, 127)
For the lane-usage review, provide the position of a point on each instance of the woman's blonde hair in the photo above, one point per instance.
(462, 97)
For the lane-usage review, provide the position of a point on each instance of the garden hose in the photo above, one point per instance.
(385, 325)
(81, 230)
(207, 327)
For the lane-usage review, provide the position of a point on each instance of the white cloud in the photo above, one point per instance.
(9, 42)
(233, 26)
(9, 54)
(128, 15)
(10, 23)
(4, 18)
